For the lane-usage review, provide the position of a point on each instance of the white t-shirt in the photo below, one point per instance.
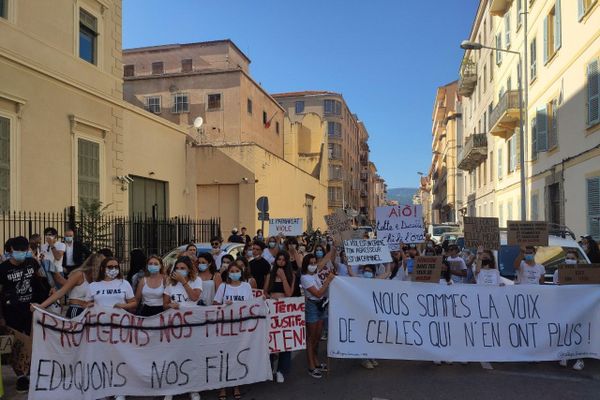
(109, 293)
(488, 277)
(402, 274)
(55, 265)
(69, 255)
(226, 292)
(530, 274)
(308, 281)
(457, 264)
(178, 294)
(218, 259)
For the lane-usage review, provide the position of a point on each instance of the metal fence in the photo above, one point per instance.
(121, 234)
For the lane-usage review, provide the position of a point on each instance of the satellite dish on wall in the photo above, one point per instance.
(198, 122)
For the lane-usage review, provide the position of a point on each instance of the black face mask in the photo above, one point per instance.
(486, 263)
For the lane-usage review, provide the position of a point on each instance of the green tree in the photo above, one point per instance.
(94, 225)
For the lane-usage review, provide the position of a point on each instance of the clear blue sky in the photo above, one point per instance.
(387, 57)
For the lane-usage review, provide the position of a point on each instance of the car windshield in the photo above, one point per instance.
(171, 257)
(439, 230)
(550, 257)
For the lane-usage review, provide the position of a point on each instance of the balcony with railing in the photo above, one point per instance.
(505, 116)
(474, 152)
(468, 78)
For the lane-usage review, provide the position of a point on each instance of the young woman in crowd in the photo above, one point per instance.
(590, 246)
(571, 258)
(137, 267)
(458, 268)
(247, 252)
(399, 270)
(486, 272)
(259, 236)
(110, 289)
(271, 251)
(246, 275)
(190, 251)
(281, 284)
(151, 287)
(184, 287)
(226, 261)
(211, 279)
(342, 267)
(528, 271)
(77, 286)
(315, 308)
(233, 290)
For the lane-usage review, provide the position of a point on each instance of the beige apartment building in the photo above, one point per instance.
(562, 127)
(245, 148)
(348, 150)
(445, 178)
(66, 134)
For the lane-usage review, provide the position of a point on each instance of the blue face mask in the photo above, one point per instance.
(272, 245)
(368, 274)
(410, 263)
(29, 254)
(235, 276)
(529, 257)
(319, 253)
(182, 272)
(19, 256)
(202, 267)
(153, 269)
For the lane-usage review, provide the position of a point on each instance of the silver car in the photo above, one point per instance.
(229, 248)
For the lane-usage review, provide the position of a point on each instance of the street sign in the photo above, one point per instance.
(263, 216)
(263, 204)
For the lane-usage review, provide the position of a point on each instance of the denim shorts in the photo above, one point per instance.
(313, 314)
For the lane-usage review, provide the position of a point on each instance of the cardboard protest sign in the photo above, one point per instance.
(427, 269)
(6, 342)
(384, 319)
(527, 233)
(287, 327)
(482, 231)
(107, 351)
(285, 226)
(580, 274)
(20, 356)
(400, 224)
(338, 223)
(367, 251)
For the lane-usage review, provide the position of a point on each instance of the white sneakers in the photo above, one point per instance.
(279, 377)
(367, 364)
(119, 397)
(579, 365)
(486, 365)
(168, 397)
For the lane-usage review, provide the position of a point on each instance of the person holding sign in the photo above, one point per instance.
(528, 271)
(151, 287)
(185, 287)
(486, 272)
(458, 267)
(316, 310)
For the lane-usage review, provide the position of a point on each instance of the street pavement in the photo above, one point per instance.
(415, 380)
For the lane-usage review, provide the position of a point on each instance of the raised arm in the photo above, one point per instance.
(74, 280)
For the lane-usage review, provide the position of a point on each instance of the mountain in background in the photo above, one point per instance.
(401, 195)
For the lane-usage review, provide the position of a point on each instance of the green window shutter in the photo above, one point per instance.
(541, 125)
(593, 76)
(513, 152)
(553, 128)
(533, 140)
(500, 163)
(534, 207)
(580, 9)
(88, 164)
(557, 26)
(4, 164)
(545, 40)
(593, 206)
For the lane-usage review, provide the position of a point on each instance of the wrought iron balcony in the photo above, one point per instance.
(468, 78)
(474, 152)
(505, 116)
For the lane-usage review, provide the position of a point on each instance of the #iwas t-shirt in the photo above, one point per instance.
(530, 274)
(226, 292)
(178, 294)
(109, 293)
(488, 277)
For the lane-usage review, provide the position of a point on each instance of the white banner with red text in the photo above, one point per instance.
(287, 328)
(108, 352)
(373, 318)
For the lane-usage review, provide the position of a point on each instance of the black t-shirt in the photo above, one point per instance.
(259, 269)
(17, 282)
(235, 239)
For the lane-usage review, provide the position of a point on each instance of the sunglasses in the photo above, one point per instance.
(215, 244)
(112, 266)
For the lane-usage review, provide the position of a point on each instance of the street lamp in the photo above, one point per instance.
(475, 46)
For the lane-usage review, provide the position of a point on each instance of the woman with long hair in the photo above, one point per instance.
(151, 287)
(110, 289)
(184, 287)
(211, 279)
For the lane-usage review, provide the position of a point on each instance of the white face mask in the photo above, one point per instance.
(312, 268)
(570, 261)
(112, 273)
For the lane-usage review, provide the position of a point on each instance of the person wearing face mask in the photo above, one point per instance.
(216, 252)
(226, 260)
(110, 290)
(458, 267)
(211, 279)
(259, 236)
(486, 272)
(184, 287)
(19, 280)
(590, 246)
(75, 252)
(271, 250)
(52, 253)
(151, 287)
(260, 268)
(316, 311)
(35, 245)
(528, 271)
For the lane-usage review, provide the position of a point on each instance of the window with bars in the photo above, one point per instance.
(214, 102)
(181, 103)
(88, 36)
(129, 70)
(4, 164)
(334, 129)
(88, 170)
(158, 68)
(153, 104)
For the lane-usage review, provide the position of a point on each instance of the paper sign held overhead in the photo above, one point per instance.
(400, 224)
(528, 233)
(363, 251)
(285, 226)
(337, 223)
(482, 231)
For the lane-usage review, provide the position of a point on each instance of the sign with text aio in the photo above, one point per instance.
(400, 224)
(285, 226)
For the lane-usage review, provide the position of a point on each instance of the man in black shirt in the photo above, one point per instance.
(259, 267)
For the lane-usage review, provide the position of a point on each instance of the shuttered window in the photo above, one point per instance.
(583, 6)
(533, 139)
(593, 89)
(4, 164)
(552, 124)
(534, 207)
(541, 125)
(498, 46)
(507, 29)
(533, 59)
(88, 168)
(593, 206)
(500, 163)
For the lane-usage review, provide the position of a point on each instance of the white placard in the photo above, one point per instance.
(400, 224)
(367, 251)
(285, 226)
(287, 328)
(108, 352)
(383, 319)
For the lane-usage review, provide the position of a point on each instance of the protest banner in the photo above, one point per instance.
(258, 293)
(285, 226)
(527, 233)
(367, 251)
(338, 223)
(383, 319)
(400, 224)
(482, 231)
(427, 269)
(580, 274)
(106, 352)
(287, 328)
